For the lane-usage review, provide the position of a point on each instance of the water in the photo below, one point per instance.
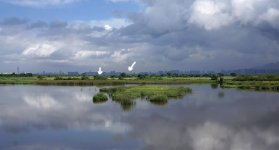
(61, 117)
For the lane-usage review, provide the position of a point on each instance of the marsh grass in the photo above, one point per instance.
(253, 85)
(100, 98)
(153, 93)
(158, 99)
(127, 105)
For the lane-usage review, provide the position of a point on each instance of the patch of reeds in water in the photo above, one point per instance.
(154, 94)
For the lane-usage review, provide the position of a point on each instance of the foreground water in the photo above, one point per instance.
(60, 117)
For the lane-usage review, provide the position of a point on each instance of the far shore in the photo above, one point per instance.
(104, 82)
(248, 82)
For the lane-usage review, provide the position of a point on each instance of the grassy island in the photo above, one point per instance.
(153, 93)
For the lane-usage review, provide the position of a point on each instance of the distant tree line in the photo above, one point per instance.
(257, 78)
(17, 75)
(141, 76)
(121, 76)
(83, 77)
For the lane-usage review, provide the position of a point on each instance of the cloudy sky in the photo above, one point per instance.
(82, 35)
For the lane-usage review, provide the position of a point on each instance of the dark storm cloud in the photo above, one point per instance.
(269, 31)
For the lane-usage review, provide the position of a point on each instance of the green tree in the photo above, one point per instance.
(84, 77)
(98, 77)
(122, 76)
(233, 74)
(214, 77)
(40, 77)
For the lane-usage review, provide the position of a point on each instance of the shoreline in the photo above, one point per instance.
(228, 82)
(101, 82)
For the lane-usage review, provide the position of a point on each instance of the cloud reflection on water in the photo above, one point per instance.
(240, 121)
(41, 102)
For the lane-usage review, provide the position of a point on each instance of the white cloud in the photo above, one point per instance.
(86, 54)
(113, 23)
(120, 56)
(210, 14)
(107, 27)
(215, 14)
(39, 3)
(247, 10)
(40, 50)
(270, 16)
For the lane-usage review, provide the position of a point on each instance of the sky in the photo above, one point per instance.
(83, 35)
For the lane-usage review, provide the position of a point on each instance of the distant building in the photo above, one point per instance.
(73, 73)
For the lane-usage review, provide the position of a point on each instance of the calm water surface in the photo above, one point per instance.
(61, 117)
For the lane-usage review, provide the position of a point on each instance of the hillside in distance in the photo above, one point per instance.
(271, 68)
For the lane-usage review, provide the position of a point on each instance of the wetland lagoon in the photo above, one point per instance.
(207, 118)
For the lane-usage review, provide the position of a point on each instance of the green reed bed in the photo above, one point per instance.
(152, 93)
(253, 85)
(100, 98)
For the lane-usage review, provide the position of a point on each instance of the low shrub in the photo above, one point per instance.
(100, 98)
